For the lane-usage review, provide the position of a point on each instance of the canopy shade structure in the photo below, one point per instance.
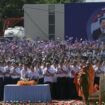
(14, 32)
(94, 0)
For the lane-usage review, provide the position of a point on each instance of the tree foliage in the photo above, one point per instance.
(14, 8)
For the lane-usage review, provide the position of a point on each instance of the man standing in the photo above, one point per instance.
(25, 72)
(1, 80)
(100, 32)
(49, 78)
(7, 78)
(15, 73)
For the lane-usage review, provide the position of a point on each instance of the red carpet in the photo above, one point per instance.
(54, 102)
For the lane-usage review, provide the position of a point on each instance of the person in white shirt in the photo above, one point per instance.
(42, 71)
(98, 71)
(48, 78)
(49, 74)
(20, 66)
(103, 67)
(25, 72)
(70, 81)
(33, 73)
(1, 80)
(15, 73)
(73, 70)
(37, 69)
(7, 78)
(61, 79)
(54, 66)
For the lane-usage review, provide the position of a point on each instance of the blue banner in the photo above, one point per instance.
(85, 21)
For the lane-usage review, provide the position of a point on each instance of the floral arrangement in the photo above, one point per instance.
(29, 103)
(26, 83)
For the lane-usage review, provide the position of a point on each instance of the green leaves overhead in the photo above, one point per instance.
(13, 8)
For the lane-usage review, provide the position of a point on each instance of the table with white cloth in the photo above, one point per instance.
(38, 93)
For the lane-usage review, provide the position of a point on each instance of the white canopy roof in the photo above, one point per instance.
(14, 32)
(94, 0)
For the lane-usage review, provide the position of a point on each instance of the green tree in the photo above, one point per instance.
(13, 8)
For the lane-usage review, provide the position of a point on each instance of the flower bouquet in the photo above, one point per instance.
(26, 83)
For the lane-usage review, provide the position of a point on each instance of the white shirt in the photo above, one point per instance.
(36, 70)
(8, 72)
(44, 70)
(60, 72)
(33, 75)
(24, 74)
(2, 71)
(69, 71)
(48, 77)
(95, 68)
(102, 30)
(102, 68)
(74, 69)
(97, 71)
(41, 72)
(15, 73)
(55, 71)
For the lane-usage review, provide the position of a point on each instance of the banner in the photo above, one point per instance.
(85, 21)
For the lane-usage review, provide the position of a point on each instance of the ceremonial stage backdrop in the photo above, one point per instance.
(82, 20)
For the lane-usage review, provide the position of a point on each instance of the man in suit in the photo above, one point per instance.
(98, 33)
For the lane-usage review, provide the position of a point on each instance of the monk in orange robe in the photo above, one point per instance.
(91, 74)
(93, 88)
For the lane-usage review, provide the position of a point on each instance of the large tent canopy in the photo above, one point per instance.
(95, 0)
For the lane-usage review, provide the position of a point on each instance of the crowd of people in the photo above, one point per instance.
(51, 62)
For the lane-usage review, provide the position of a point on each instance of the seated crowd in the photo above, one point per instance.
(50, 62)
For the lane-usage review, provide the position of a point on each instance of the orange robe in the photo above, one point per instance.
(77, 84)
(93, 88)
